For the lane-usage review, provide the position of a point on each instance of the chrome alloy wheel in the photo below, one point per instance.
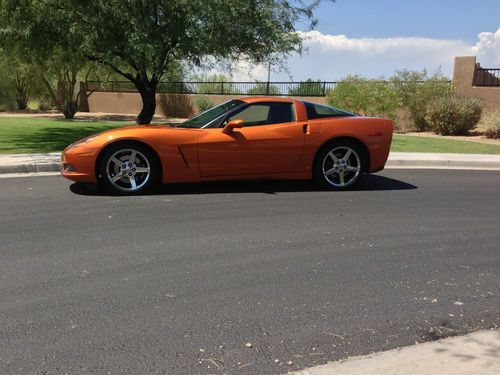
(341, 166)
(128, 170)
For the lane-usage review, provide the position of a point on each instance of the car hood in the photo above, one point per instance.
(138, 132)
(137, 127)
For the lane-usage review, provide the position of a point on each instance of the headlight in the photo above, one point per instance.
(89, 139)
(82, 141)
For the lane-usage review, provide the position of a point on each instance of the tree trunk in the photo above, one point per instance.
(22, 104)
(148, 96)
(22, 97)
(69, 108)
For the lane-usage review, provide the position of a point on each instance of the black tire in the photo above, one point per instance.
(144, 170)
(324, 163)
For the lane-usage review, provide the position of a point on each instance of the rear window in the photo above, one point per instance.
(315, 111)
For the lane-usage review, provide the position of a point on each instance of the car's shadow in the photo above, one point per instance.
(366, 183)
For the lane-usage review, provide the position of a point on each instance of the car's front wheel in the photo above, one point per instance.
(128, 169)
(338, 165)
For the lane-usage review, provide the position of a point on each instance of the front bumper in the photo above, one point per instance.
(78, 164)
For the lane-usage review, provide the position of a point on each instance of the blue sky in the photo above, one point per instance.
(442, 19)
(374, 38)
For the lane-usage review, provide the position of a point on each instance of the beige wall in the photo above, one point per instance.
(170, 105)
(463, 78)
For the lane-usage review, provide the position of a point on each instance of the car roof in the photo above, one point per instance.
(257, 99)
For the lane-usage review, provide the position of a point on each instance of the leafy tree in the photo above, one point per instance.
(62, 72)
(22, 82)
(6, 98)
(17, 81)
(139, 39)
(308, 87)
(173, 78)
(40, 34)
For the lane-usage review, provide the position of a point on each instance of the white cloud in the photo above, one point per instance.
(400, 46)
(487, 49)
(245, 70)
(332, 57)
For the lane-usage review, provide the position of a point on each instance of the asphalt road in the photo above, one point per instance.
(179, 281)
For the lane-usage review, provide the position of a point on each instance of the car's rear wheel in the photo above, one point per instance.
(338, 165)
(128, 169)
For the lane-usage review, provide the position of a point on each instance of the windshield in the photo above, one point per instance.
(211, 114)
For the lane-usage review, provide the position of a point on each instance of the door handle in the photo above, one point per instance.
(304, 128)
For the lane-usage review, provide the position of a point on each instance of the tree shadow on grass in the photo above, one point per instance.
(366, 183)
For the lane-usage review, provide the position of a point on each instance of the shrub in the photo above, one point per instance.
(415, 90)
(203, 103)
(307, 88)
(214, 84)
(451, 115)
(491, 125)
(260, 88)
(364, 96)
(45, 105)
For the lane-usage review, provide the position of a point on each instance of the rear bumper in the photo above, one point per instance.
(379, 156)
(380, 151)
(78, 164)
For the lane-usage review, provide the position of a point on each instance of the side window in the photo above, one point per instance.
(315, 111)
(253, 115)
(265, 113)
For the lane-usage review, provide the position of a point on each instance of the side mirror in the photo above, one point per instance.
(231, 125)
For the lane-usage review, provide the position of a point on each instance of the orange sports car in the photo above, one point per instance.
(247, 138)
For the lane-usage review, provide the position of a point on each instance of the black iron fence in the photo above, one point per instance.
(316, 88)
(487, 77)
(308, 88)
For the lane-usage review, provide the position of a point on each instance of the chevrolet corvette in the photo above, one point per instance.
(246, 138)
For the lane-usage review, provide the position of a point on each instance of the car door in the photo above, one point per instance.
(271, 141)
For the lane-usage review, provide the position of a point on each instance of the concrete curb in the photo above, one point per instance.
(50, 162)
(30, 163)
(475, 353)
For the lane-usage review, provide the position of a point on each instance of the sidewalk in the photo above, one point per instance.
(446, 161)
(476, 353)
(50, 162)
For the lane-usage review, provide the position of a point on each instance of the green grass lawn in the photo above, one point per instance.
(407, 143)
(29, 135)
